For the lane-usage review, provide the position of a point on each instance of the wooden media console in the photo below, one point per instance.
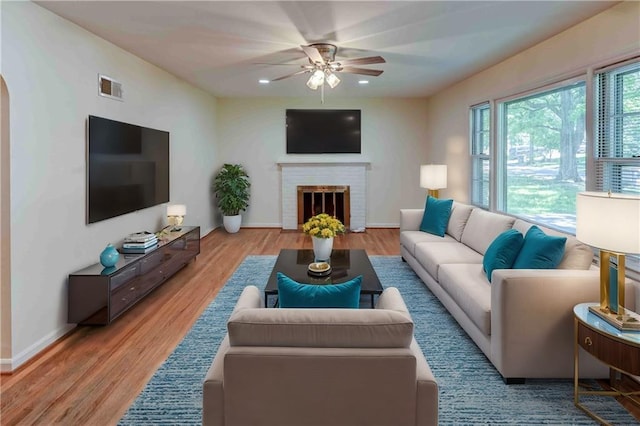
(98, 295)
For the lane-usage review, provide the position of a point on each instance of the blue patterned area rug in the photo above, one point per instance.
(471, 390)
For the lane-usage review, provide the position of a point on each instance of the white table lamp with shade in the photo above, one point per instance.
(611, 222)
(433, 177)
(175, 215)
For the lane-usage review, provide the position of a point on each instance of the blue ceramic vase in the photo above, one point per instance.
(109, 256)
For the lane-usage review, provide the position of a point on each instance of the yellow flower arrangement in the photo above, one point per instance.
(323, 226)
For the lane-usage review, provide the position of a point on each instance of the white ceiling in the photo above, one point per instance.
(428, 45)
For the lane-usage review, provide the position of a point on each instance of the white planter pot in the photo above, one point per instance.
(322, 248)
(232, 223)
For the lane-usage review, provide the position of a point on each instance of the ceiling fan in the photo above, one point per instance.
(323, 65)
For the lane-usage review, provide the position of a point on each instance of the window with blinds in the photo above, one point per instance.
(617, 128)
(480, 154)
(551, 142)
(617, 133)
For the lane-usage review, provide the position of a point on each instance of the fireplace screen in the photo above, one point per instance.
(333, 200)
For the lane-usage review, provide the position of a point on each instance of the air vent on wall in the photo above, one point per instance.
(109, 88)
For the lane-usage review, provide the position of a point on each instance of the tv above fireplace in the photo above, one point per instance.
(323, 131)
(127, 168)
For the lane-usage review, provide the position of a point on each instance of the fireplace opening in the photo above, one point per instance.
(331, 199)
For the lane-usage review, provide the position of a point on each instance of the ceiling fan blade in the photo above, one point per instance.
(306, 67)
(290, 75)
(362, 61)
(313, 54)
(271, 63)
(363, 71)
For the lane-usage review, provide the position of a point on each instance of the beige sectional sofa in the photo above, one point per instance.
(304, 367)
(523, 319)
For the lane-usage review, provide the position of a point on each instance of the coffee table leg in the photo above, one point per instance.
(373, 305)
(266, 301)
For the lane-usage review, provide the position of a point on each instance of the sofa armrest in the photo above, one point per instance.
(410, 219)
(392, 299)
(427, 390)
(213, 389)
(532, 317)
(250, 298)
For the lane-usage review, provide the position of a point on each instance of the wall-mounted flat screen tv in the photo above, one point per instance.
(323, 131)
(127, 168)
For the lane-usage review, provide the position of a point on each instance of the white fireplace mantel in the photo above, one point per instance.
(332, 172)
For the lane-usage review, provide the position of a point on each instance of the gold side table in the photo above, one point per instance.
(620, 350)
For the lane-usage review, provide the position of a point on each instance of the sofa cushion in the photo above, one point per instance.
(459, 216)
(577, 255)
(431, 256)
(468, 287)
(540, 251)
(292, 294)
(320, 328)
(502, 252)
(483, 227)
(409, 239)
(436, 216)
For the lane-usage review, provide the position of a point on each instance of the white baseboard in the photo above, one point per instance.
(5, 365)
(383, 225)
(8, 365)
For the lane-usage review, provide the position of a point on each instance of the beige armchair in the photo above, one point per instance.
(319, 367)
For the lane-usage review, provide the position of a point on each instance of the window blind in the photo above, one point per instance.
(617, 134)
(617, 138)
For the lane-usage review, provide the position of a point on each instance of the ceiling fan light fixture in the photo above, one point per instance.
(323, 66)
(316, 80)
(332, 79)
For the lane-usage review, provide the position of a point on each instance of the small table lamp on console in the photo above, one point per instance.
(433, 177)
(611, 222)
(175, 215)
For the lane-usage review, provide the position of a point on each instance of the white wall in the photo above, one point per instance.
(51, 69)
(252, 132)
(604, 37)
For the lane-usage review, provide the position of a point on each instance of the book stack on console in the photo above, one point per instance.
(139, 243)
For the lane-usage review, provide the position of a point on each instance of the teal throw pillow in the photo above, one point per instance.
(436, 216)
(292, 294)
(540, 251)
(502, 252)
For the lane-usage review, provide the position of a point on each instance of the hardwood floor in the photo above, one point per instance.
(91, 376)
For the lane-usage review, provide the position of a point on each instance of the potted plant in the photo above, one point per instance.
(231, 186)
(323, 228)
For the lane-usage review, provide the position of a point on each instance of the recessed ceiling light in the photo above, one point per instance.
(263, 81)
(363, 82)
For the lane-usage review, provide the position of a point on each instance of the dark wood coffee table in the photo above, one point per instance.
(345, 265)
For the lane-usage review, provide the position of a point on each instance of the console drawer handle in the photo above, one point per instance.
(587, 341)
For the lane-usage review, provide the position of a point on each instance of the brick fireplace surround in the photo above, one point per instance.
(352, 174)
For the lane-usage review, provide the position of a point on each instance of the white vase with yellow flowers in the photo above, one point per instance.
(323, 228)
